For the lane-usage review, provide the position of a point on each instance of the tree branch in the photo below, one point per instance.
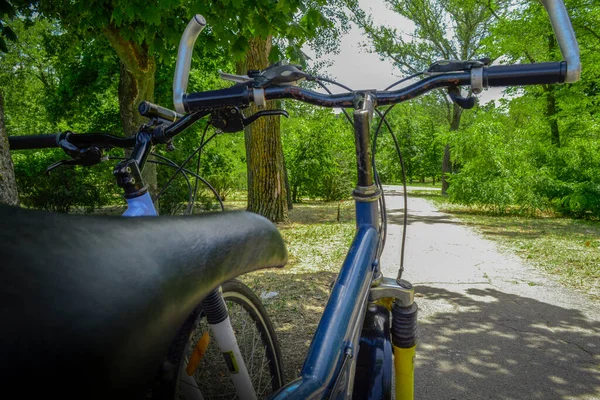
(529, 56)
(589, 30)
(134, 56)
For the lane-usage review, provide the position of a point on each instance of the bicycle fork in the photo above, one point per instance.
(397, 296)
(218, 320)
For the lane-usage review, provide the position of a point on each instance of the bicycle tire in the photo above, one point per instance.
(212, 374)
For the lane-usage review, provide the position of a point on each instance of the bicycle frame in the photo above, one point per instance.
(351, 322)
(354, 331)
(141, 206)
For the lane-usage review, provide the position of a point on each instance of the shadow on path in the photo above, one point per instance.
(396, 217)
(486, 344)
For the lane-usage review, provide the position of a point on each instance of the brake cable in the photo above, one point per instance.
(191, 207)
(375, 173)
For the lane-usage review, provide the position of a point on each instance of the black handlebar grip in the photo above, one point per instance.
(151, 110)
(235, 96)
(526, 74)
(33, 141)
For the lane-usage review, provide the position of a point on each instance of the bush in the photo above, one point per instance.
(66, 187)
(319, 154)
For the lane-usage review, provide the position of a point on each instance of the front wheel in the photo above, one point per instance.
(256, 340)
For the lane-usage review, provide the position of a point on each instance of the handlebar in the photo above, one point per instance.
(242, 95)
(561, 24)
(151, 110)
(184, 59)
(501, 75)
(52, 140)
(504, 75)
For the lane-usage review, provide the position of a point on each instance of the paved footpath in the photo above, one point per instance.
(491, 327)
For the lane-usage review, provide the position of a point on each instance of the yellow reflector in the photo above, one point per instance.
(197, 355)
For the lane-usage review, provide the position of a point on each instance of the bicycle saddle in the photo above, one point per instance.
(94, 302)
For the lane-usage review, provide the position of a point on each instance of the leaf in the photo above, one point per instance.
(240, 45)
(3, 46)
(275, 54)
(6, 9)
(9, 33)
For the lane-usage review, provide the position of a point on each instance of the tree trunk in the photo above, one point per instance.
(446, 163)
(133, 89)
(264, 154)
(136, 84)
(8, 185)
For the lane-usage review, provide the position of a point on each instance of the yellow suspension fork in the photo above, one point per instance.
(398, 297)
(404, 341)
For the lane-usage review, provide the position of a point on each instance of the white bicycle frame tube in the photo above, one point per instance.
(227, 343)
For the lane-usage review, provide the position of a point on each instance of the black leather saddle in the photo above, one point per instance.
(89, 305)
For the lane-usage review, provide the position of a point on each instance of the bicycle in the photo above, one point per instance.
(368, 332)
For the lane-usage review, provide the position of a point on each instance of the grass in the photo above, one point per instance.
(565, 248)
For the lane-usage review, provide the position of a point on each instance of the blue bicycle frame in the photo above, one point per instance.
(354, 332)
(351, 322)
(141, 206)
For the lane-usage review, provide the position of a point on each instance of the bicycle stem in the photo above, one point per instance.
(362, 124)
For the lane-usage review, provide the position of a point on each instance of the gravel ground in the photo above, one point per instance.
(491, 326)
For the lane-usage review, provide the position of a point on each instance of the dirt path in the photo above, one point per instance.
(491, 327)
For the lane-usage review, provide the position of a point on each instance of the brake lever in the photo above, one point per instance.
(463, 102)
(235, 78)
(232, 120)
(87, 156)
(59, 163)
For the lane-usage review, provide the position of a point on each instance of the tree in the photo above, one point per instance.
(266, 40)
(319, 149)
(8, 186)
(132, 29)
(444, 29)
(534, 42)
(267, 191)
(142, 32)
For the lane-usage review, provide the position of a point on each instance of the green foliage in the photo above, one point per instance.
(419, 126)
(58, 76)
(319, 153)
(51, 85)
(65, 188)
(510, 156)
(6, 32)
(508, 161)
(222, 165)
(157, 26)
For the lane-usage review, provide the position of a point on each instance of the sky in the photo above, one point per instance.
(357, 68)
(354, 66)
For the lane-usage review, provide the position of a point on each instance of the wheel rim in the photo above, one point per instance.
(212, 374)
